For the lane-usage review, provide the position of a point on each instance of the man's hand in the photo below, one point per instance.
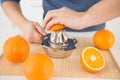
(99, 13)
(33, 31)
(65, 16)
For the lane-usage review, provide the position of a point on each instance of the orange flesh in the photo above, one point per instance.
(93, 58)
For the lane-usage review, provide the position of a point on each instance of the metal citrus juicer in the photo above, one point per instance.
(58, 44)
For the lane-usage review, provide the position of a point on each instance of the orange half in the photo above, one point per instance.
(92, 59)
(56, 27)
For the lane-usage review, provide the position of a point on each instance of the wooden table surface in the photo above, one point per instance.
(67, 67)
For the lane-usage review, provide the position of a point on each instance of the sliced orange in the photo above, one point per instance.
(92, 59)
(56, 27)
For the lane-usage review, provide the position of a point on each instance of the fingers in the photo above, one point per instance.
(51, 14)
(34, 37)
(52, 22)
(54, 17)
(37, 37)
(40, 29)
(34, 33)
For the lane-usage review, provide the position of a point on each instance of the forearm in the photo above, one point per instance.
(101, 12)
(13, 12)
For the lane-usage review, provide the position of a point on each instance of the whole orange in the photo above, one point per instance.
(103, 39)
(38, 67)
(16, 49)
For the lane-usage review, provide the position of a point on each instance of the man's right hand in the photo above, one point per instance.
(33, 31)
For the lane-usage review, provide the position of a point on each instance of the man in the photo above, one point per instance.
(76, 15)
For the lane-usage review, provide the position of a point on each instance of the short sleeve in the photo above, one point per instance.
(17, 1)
